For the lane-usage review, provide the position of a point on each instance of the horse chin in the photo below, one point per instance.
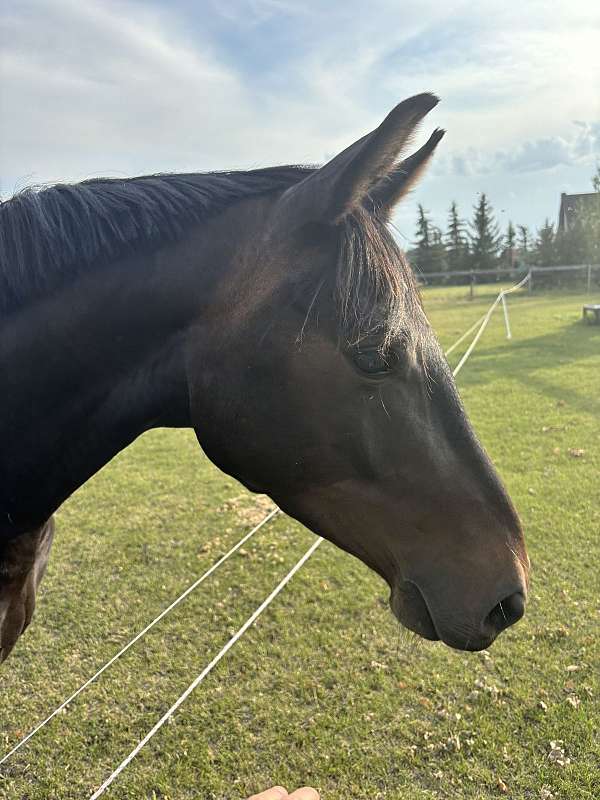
(410, 609)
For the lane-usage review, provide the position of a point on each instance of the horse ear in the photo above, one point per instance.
(382, 198)
(332, 191)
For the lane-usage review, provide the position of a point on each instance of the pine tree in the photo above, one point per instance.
(485, 239)
(596, 179)
(590, 224)
(580, 244)
(423, 240)
(545, 246)
(524, 241)
(570, 245)
(424, 253)
(439, 261)
(457, 245)
(510, 240)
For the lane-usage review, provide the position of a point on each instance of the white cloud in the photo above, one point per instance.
(86, 88)
(126, 87)
(582, 147)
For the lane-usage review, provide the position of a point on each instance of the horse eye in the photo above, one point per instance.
(373, 361)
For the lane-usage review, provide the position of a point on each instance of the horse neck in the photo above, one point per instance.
(95, 365)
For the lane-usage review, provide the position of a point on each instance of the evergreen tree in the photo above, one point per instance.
(423, 240)
(592, 222)
(485, 238)
(511, 236)
(524, 242)
(545, 246)
(580, 244)
(569, 245)
(457, 244)
(510, 241)
(596, 179)
(439, 260)
(424, 253)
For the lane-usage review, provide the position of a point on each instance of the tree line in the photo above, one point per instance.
(479, 244)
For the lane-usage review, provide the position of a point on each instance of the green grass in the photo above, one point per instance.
(325, 689)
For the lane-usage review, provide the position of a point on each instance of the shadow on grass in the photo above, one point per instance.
(525, 359)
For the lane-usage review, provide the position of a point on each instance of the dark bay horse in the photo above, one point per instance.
(272, 311)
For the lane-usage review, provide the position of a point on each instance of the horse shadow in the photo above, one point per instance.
(528, 361)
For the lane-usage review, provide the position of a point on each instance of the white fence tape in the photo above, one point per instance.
(142, 633)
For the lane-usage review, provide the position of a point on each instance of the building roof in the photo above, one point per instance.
(571, 205)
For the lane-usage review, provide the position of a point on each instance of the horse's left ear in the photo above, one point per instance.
(367, 166)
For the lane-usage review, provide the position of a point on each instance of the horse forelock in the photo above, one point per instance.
(376, 290)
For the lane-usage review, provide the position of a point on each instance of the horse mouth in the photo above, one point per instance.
(410, 609)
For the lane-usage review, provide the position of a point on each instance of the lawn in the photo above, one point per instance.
(325, 689)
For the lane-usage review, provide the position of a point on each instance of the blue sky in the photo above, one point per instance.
(122, 88)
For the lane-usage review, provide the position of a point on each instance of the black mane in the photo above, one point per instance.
(50, 234)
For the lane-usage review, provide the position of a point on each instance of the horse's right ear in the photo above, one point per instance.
(332, 191)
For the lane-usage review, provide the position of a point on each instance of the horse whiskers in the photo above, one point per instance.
(502, 610)
(383, 404)
(526, 568)
(410, 640)
(310, 307)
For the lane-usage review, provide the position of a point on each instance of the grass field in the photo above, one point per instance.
(325, 689)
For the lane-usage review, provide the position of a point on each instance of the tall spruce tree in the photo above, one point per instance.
(590, 223)
(485, 236)
(570, 245)
(580, 243)
(423, 254)
(545, 245)
(595, 236)
(439, 260)
(510, 241)
(457, 244)
(524, 243)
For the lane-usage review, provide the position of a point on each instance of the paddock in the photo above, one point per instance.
(325, 689)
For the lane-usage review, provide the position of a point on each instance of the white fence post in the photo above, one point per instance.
(506, 322)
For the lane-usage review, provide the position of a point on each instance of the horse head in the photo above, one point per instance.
(321, 383)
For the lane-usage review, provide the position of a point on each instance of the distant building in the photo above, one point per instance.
(573, 204)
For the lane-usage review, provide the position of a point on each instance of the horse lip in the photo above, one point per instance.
(469, 645)
(409, 606)
(416, 616)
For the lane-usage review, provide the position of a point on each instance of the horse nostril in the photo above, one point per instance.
(507, 612)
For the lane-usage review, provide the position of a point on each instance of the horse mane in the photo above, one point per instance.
(50, 234)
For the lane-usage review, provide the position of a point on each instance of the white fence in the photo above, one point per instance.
(481, 276)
